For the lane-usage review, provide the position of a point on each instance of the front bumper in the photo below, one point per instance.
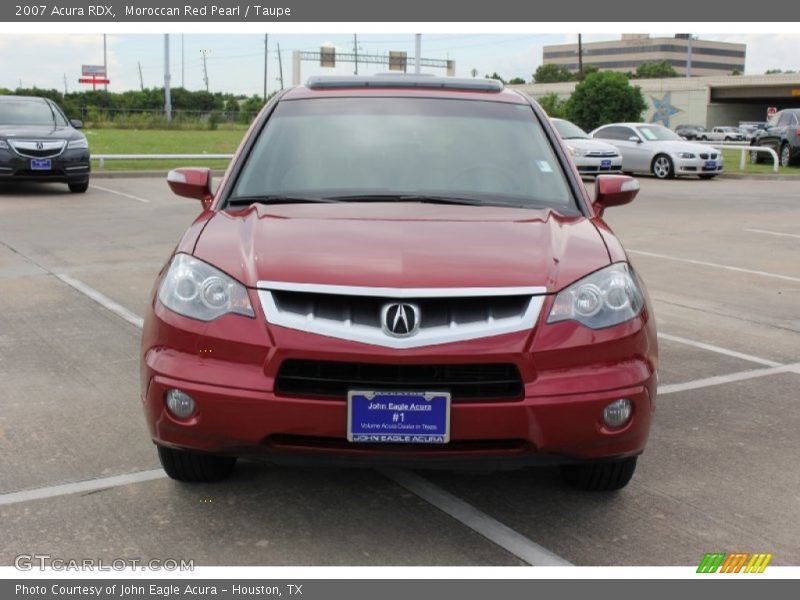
(569, 373)
(698, 166)
(71, 166)
(591, 165)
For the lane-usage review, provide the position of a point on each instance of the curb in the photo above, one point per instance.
(142, 174)
(760, 176)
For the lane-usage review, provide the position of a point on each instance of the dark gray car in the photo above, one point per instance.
(39, 143)
(782, 134)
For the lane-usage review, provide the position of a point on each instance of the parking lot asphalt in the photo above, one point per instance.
(720, 259)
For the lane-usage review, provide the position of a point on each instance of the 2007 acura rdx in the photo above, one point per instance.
(401, 270)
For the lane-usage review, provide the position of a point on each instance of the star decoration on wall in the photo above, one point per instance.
(663, 109)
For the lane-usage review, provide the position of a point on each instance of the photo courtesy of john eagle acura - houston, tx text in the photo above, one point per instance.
(401, 270)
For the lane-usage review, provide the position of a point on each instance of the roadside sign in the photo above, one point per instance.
(771, 111)
(327, 56)
(94, 80)
(795, 92)
(397, 61)
(93, 70)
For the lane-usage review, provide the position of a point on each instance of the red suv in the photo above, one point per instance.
(403, 271)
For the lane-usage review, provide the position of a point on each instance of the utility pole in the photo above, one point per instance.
(689, 57)
(167, 97)
(205, 67)
(183, 72)
(580, 57)
(66, 91)
(266, 54)
(417, 51)
(105, 61)
(280, 65)
(141, 79)
(355, 50)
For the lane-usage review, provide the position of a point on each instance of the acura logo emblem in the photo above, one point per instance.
(39, 146)
(400, 319)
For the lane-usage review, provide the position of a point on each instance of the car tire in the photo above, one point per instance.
(604, 476)
(662, 167)
(755, 158)
(195, 467)
(78, 188)
(786, 156)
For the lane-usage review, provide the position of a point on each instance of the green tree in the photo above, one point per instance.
(773, 71)
(605, 97)
(736, 72)
(655, 70)
(516, 81)
(496, 76)
(553, 74)
(553, 105)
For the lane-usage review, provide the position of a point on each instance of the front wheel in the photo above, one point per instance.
(754, 157)
(78, 188)
(195, 467)
(786, 155)
(600, 476)
(662, 167)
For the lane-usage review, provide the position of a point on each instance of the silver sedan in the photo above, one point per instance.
(649, 148)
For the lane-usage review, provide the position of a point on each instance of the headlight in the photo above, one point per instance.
(3, 145)
(576, 151)
(77, 144)
(686, 155)
(196, 289)
(607, 297)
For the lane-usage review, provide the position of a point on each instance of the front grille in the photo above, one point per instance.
(706, 156)
(38, 149)
(465, 382)
(601, 153)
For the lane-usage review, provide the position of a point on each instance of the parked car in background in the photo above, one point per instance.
(591, 157)
(724, 134)
(439, 291)
(39, 143)
(782, 134)
(750, 128)
(690, 132)
(649, 148)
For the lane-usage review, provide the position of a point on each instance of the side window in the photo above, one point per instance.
(615, 133)
(785, 119)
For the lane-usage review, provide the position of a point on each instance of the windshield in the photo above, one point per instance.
(377, 148)
(23, 112)
(657, 133)
(569, 131)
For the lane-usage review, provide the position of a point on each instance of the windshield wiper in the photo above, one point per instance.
(276, 199)
(423, 198)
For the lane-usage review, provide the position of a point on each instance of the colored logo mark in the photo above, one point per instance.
(734, 562)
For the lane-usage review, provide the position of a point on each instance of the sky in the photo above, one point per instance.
(235, 63)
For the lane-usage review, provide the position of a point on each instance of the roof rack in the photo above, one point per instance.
(405, 81)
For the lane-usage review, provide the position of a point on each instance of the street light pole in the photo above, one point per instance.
(167, 97)
(417, 51)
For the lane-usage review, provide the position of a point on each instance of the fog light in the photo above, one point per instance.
(617, 413)
(180, 404)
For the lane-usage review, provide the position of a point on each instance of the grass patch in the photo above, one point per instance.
(732, 158)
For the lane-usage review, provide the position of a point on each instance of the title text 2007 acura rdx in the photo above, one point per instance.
(401, 271)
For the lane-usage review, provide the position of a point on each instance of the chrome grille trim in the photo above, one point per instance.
(30, 148)
(373, 334)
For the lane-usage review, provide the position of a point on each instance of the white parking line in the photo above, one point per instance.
(102, 300)
(118, 193)
(490, 528)
(729, 378)
(88, 485)
(776, 233)
(716, 265)
(719, 350)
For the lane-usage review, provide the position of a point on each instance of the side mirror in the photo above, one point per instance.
(192, 182)
(634, 138)
(613, 190)
(76, 123)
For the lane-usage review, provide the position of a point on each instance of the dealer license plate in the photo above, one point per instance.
(41, 164)
(398, 417)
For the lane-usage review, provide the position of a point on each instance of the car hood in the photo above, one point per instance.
(402, 245)
(39, 132)
(584, 144)
(675, 146)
